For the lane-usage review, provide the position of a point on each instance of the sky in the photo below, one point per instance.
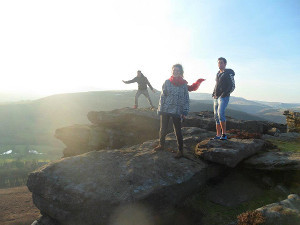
(50, 47)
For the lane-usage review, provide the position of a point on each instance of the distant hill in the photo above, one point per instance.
(34, 122)
(280, 105)
(6, 97)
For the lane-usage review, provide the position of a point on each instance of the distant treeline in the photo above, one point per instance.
(15, 173)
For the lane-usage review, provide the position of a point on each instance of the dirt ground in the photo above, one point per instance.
(16, 207)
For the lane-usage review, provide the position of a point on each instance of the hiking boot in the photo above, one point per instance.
(223, 137)
(178, 155)
(158, 148)
(216, 138)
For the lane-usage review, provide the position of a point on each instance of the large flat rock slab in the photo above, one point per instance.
(124, 115)
(230, 152)
(274, 160)
(127, 126)
(91, 188)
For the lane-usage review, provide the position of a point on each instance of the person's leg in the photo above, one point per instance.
(164, 120)
(177, 130)
(223, 102)
(223, 127)
(146, 93)
(137, 95)
(216, 116)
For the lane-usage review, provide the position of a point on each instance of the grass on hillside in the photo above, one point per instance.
(14, 173)
(287, 146)
(21, 152)
(15, 167)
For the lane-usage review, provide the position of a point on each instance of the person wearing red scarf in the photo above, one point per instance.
(174, 103)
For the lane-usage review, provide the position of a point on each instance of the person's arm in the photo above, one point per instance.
(149, 84)
(214, 92)
(195, 86)
(229, 85)
(186, 104)
(162, 98)
(130, 81)
(164, 89)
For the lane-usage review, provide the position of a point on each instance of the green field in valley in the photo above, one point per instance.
(17, 161)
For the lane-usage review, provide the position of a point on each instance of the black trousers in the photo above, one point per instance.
(164, 121)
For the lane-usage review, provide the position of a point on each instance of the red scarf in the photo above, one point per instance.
(178, 81)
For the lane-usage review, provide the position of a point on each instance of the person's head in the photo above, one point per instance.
(177, 70)
(139, 73)
(222, 63)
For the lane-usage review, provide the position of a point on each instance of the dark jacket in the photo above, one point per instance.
(142, 82)
(224, 84)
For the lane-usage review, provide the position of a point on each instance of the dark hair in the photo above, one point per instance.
(223, 59)
(180, 67)
(141, 73)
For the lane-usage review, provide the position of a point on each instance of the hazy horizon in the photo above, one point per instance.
(15, 97)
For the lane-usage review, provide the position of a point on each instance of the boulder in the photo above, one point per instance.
(206, 121)
(274, 131)
(229, 152)
(126, 127)
(99, 186)
(110, 130)
(122, 117)
(83, 138)
(293, 121)
(274, 160)
(191, 137)
(290, 136)
(286, 212)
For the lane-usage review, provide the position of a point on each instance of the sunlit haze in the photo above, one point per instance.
(49, 47)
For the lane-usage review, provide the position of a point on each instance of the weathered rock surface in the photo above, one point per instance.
(110, 130)
(126, 127)
(206, 121)
(274, 160)
(290, 136)
(233, 190)
(80, 139)
(229, 152)
(94, 187)
(286, 212)
(293, 121)
(122, 116)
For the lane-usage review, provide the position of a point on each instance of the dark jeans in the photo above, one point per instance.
(164, 121)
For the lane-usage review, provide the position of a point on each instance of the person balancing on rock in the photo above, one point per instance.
(224, 87)
(142, 88)
(174, 103)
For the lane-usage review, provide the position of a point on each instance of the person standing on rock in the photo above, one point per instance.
(174, 103)
(142, 88)
(224, 87)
